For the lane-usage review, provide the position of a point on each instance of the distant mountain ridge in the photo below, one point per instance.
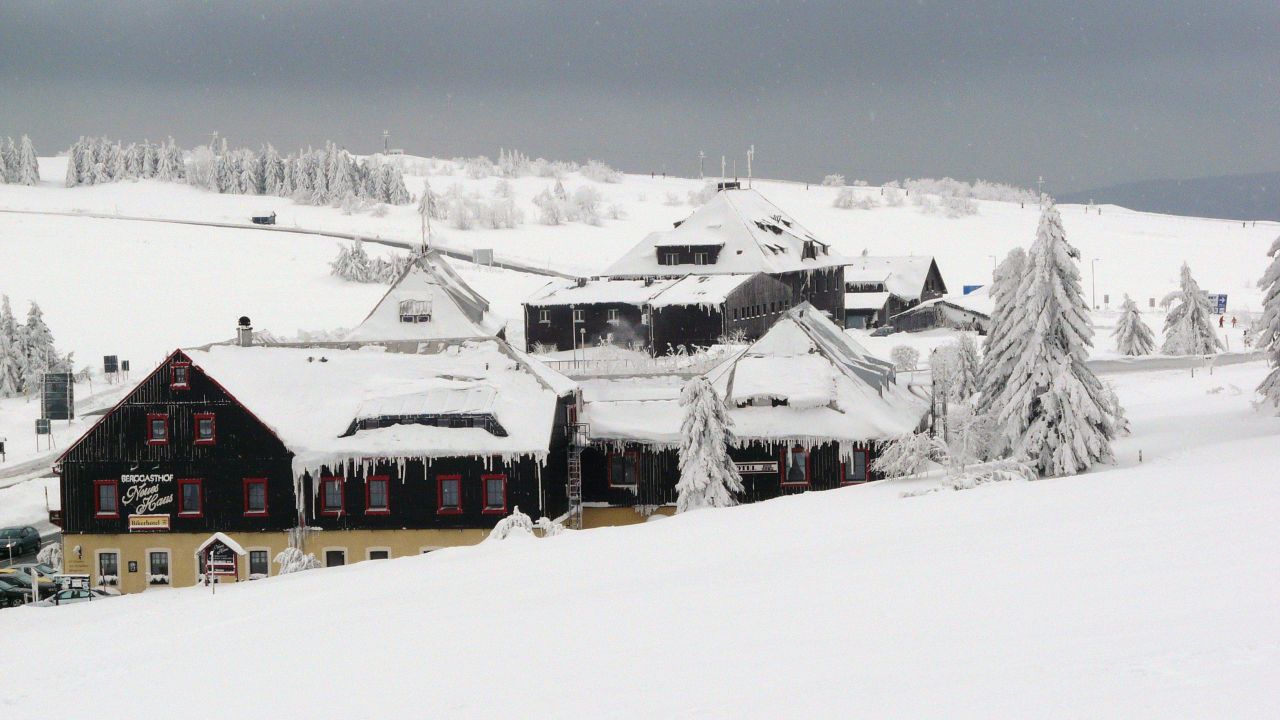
(1234, 197)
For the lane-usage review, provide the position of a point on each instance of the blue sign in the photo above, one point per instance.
(970, 288)
(1219, 302)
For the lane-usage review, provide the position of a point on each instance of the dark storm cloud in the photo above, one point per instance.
(1083, 93)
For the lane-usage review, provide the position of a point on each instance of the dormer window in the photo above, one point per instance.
(669, 258)
(180, 375)
(810, 250)
(415, 311)
(701, 258)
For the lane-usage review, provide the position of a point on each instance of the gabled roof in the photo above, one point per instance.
(752, 233)
(979, 301)
(457, 311)
(704, 290)
(902, 275)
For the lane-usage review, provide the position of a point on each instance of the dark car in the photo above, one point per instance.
(13, 594)
(23, 580)
(18, 541)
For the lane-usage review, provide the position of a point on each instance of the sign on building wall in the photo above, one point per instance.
(146, 523)
(144, 494)
(748, 468)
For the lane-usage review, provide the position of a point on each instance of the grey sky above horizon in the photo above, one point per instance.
(1086, 93)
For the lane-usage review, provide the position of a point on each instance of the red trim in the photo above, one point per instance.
(199, 483)
(635, 457)
(782, 468)
(369, 510)
(866, 468)
(441, 509)
(173, 375)
(255, 481)
(326, 511)
(151, 439)
(213, 426)
(97, 511)
(484, 494)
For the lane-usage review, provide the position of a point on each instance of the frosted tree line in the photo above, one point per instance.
(354, 264)
(26, 351)
(18, 162)
(98, 160)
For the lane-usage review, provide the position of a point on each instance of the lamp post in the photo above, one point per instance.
(1093, 272)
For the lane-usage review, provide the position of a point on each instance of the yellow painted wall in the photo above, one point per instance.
(80, 552)
(594, 517)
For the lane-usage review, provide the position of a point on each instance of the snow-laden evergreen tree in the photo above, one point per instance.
(708, 476)
(1132, 335)
(28, 165)
(1268, 338)
(998, 356)
(1053, 412)
(12, 364)
(119, 166)
(73, 169)
(272, 172)
(38, 353)
(1188, 328)
(150, 160)
(9, 164)
(968, 366)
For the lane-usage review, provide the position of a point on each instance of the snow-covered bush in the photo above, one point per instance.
(955, 207)
(708, 476)
(833, 180)
(599, 172)
(904, 357)
(1267, 337)
(672, 199)
(51, 555)
(844, 198)
(905, 456)
(548, 527)
(517, 524)
(1188, 328)
(994, 471)
(1132, 335)
(551, 210)
(893, 197)
(292, 560)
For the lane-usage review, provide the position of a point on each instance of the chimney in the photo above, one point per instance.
(244, 332)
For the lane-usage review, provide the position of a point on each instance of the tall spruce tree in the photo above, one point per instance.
(1053, 412)
(1132, 335)
(11, 360)
(1188, 328)
(708, 476)
(1269, 337)
(28, 164)
(38, 353)
(9, 163)
(998, 358)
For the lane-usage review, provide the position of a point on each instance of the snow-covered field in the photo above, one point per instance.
(1143, 590)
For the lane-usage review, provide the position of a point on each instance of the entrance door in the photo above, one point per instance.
(334, 558)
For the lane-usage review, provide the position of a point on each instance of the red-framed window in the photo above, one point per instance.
(157, 429)
(495, 494)
(857, 469)
(624, 469)
(449, 494)
(255, 497)
(795, 467)
(377, 495)
(180, 375)
(333, 500)
(106, 498)
(206, 428)
(191, 497)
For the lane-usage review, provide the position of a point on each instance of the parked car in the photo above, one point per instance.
(18, 541)
(70, 597)
(23, 580)
(12, 594)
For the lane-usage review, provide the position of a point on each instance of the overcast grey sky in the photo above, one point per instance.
(1084, 93)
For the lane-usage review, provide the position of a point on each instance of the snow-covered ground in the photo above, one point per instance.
(1141, 590)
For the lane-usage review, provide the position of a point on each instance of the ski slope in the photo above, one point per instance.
(1143, 590)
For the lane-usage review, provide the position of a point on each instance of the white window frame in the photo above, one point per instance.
(97, 566)
(147, 561)
(672, 258)
(544, 316)
(579, 315)
(702, 258)
(415, 311)
(368, 552)
(248, 564)
(614, 317)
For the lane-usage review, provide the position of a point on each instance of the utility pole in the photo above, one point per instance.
(751, 153)
(385, 137)
(702, 161)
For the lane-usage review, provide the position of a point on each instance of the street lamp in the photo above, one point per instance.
(1093, 272)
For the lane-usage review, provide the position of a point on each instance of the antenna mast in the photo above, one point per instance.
(751, 153)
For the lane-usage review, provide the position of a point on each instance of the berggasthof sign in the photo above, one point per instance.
(142, 492)
(748, 468)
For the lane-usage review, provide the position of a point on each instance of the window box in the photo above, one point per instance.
(449, 494)
(191, 498)
(157, 429)
(255, 497)
(106, 498)
(333, 501)
(377, 495)
(495, 494)
(206, 429)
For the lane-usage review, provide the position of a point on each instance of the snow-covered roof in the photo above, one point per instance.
(865, 300)
(311, 404)
(752, 233)
(902, 275)
(225, 540)
(979, 301)
(455, 309)
(688, 290)
(832, 387)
